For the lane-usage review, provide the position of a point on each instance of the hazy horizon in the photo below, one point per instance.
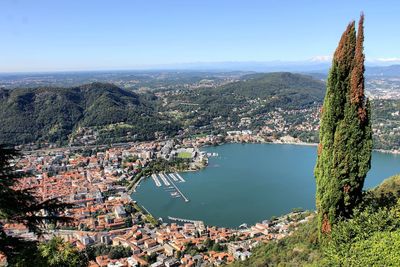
(222, 66)
(43, 36)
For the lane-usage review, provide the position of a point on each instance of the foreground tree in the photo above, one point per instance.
(20, 206)
(59, 253)
(344, 152)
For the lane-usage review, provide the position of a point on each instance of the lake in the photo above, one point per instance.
(248, 183)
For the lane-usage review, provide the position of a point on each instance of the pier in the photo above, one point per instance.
(170, 186)
(182, 220)
(155, 179)
(173, 177)
(164, 179)
(179, 191)
(180, 177)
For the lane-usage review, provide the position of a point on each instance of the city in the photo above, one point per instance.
(104, 212)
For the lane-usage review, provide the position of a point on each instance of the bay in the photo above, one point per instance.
(248, 183)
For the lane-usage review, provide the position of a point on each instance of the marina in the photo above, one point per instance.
(169, 184)
(179, 191)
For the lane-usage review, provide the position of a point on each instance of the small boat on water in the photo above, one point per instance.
(243, 226)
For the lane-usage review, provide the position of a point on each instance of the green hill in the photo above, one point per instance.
(389, 186)
(279, 89)
(297, 89)
(51, 114)
(252, 96)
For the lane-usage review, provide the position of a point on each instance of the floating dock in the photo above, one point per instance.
(173, 177)
(155, 179)
(180, 177)
(164, 179)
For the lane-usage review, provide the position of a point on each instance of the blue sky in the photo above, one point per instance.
(56, 35)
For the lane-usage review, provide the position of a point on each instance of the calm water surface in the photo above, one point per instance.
(248, 183)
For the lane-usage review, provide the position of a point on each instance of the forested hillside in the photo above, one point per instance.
(386, 119)
(54, 114)
(51, 114)
(253, 96)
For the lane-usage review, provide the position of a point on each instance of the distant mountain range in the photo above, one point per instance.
(278, 66)
(385, 71)
(201, 68)
(269, 66)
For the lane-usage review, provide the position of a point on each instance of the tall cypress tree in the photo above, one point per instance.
(344, 152)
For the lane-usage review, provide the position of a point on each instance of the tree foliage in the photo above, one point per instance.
(371, 237)
(113, 252)
(344, 152)
(270, 90)
(20, 206)
(58, 253)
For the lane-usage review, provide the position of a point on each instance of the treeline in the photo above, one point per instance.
(50, 114)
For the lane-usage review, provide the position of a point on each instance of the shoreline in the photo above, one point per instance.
(133, 190)
(394, 152)
(293, 143)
